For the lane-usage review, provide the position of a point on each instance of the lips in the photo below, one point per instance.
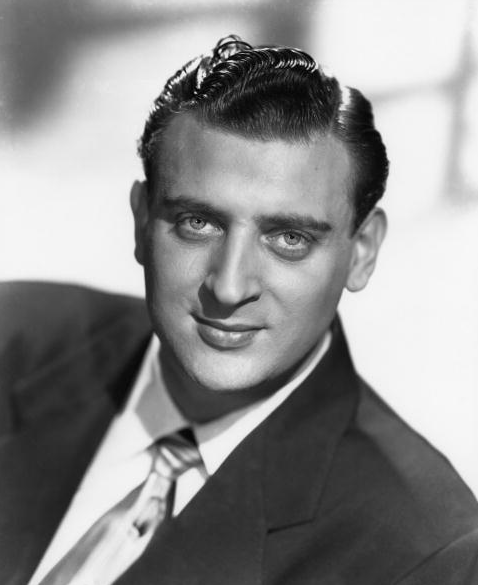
(222, 335)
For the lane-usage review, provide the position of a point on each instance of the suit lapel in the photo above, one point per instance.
(218, 538)
(63, 411)
(302, 436)
(273, 480)
(45, 464)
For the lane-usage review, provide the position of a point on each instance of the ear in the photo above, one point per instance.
(368, 240)
(139, 206)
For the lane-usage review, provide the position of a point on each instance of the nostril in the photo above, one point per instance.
(212, 308)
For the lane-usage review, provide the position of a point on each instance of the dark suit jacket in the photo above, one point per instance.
(332, 489)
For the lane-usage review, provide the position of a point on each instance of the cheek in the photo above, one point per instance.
(304, 307)
(171, 268)
(314, 293)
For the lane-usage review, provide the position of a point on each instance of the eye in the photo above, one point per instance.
(292, 239)
(294, 245)
(197, 223)
(195, 227)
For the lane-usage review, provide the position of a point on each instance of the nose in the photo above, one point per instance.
(234, 274)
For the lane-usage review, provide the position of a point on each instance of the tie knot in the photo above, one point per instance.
(173, 455)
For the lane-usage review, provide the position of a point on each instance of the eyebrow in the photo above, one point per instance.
(277, 220)
(295, 220)
(193, 205)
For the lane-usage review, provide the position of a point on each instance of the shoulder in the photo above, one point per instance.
(29, 304)
(40, 321)
(398, 494)
(424, 474)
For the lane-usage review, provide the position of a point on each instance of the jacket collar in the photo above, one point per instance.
(100, 368)
(302, 435)
(61, 413)
(273, 479)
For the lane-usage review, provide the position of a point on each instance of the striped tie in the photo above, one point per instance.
(121, 535)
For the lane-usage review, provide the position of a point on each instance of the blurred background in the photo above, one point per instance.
(77, 79)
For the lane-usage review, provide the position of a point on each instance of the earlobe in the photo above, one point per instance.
(368, 241)
(139, 207)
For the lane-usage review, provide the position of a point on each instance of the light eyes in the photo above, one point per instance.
(195, 227)
(196, 223)
(291, 245)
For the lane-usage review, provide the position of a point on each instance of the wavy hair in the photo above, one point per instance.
(270, 93)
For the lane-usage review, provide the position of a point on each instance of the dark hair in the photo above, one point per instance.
(269, 93)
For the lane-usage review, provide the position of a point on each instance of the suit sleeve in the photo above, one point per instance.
(455, 564)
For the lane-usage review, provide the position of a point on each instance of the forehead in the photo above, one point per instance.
(265, 176)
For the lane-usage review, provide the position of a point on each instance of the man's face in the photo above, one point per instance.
(246, 249)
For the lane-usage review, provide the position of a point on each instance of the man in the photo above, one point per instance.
(258, 209)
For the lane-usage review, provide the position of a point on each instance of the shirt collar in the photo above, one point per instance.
(218, 438)
(150, 413)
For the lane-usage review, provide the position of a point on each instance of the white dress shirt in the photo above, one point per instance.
(122, 461)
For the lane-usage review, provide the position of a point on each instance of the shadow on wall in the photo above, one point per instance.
(40, 36)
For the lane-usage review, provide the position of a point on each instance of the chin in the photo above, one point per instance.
(228, 379)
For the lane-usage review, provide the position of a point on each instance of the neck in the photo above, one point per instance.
(200, 404)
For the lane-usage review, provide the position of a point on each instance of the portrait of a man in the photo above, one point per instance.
(217, 431)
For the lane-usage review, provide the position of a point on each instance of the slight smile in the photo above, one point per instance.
(225, 336)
